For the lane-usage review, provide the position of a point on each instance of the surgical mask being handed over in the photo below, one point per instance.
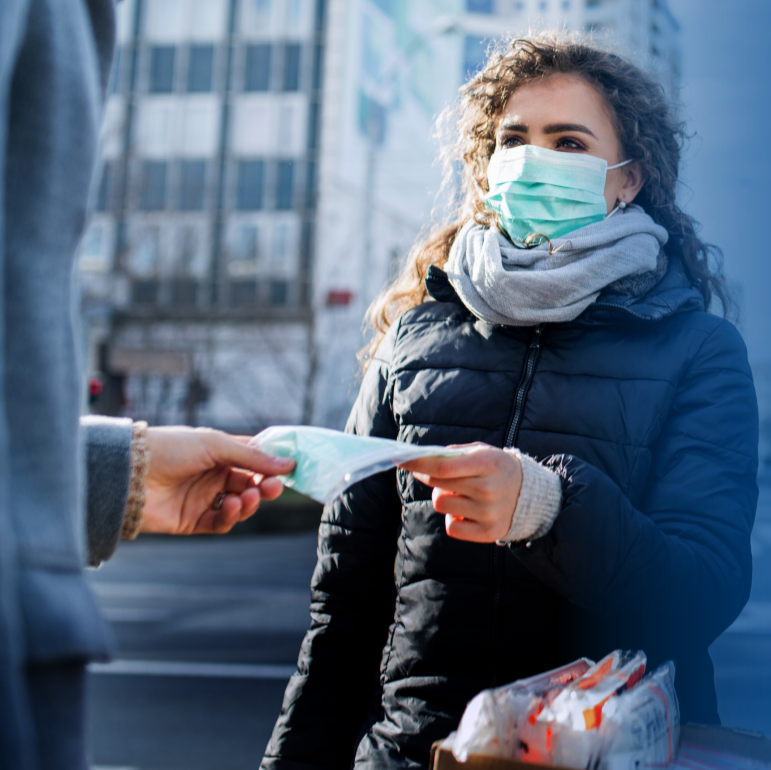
(328, 461)
(545, 192)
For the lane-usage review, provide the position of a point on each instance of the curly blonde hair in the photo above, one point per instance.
(647, 128)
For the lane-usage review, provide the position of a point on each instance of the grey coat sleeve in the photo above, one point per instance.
(107, 448)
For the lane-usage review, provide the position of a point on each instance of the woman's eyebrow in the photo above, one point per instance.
(521, 127)
(558, 128)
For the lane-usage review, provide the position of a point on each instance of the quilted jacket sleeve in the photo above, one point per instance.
(681, 562)
(352, 596)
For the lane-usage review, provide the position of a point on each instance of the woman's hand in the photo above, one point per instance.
(478, 491)
(189, 469)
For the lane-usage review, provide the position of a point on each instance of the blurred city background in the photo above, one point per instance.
(265, 167)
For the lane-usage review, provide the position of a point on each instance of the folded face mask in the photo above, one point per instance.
(328, 461)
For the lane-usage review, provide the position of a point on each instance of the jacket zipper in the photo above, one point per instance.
(524, 386)
(533, 352)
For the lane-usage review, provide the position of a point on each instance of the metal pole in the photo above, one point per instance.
(217, 241)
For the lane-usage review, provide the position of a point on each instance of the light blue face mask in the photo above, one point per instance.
(328, 462)
(545, 192)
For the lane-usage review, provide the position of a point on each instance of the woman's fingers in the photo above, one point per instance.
(445, 501)
(464, 529)
(474, 463)
(225, 450)
(493, 522)
(477, 487)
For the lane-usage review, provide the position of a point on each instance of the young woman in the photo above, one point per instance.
(559, 323)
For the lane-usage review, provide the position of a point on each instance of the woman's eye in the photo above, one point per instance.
(510, 141)
(570, 144)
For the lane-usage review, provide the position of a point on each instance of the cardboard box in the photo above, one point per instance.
(724, 741)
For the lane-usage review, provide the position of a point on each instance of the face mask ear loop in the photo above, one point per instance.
(618, 165)
(610, 168)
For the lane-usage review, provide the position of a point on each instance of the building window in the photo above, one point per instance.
(285, 185)
(152, 190)
(199, 69)
(593, 3)
(245, 252)
(162, 69)
(189, 251)
(257, 68)
(104, 193)
(192, 185)
(278, 293)
(145, 292)
(291, 80)
(251, 177)
(479, 6)
(279, 252)
(244, 293)
(247, 247)
(184, 293)
(143, 256)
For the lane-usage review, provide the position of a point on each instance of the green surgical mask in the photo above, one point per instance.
(328, 462)
(545, 192)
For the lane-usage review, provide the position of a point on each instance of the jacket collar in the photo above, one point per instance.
(671, 295)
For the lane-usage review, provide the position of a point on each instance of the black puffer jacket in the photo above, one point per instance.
(648, 410)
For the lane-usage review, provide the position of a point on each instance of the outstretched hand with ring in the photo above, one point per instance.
(202, 481)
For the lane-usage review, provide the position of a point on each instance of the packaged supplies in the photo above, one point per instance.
(580, 704)
(493, 720)
(603, 716)
(641, 727)
(328, 461)
(702, 747)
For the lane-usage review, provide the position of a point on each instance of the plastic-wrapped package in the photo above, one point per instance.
(580, 705)
(641, 727)
(328, 461)
(564, 733)
(493, 720)
(601, 716)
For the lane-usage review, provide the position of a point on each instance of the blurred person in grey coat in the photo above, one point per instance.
(55, 56)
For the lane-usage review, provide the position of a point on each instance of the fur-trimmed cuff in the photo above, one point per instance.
(539, 502)
(140, 459)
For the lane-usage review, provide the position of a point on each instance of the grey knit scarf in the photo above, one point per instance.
(503, 284)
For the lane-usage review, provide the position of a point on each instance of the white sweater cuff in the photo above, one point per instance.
(539, 502)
